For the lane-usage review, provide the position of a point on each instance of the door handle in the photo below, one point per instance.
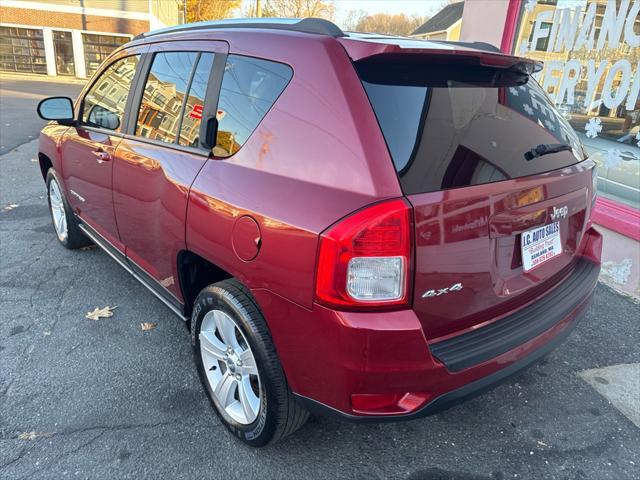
(101, 156)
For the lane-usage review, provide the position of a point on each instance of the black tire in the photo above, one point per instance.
(279, 415)
(75, 238)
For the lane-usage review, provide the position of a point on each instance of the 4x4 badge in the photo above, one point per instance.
(456, 287)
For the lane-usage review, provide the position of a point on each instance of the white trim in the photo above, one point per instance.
(154, 22)
(19, 25)
(49, 51)
(111, 34)
(447, 31)
(424, 35)
(41, 27)
(99, 12)
(78, 53)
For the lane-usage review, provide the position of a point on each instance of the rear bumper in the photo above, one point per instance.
(453, 397)
(482, 344)
(330, 356)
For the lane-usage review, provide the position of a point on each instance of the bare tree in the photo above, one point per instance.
(352, 19)
(198, 10)
(388, 24)
(299, 8)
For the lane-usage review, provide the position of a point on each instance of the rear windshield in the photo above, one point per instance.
(454, 126)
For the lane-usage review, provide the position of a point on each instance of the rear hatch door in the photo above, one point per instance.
(497, 178)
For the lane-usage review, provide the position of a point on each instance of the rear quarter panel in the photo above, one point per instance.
(317, 156)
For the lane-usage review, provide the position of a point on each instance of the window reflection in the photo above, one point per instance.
(399, 111)
(104, 104)
(192, 118)
(455, 127)
(249, 88)
(163, 95)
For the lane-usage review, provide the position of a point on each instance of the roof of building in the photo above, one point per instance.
(442, 20)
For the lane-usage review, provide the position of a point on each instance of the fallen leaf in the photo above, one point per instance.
(542, 444)
(88, 247)
(10, 207)
(146, 326)
(46, 334)
(101, 312)
(34, 435)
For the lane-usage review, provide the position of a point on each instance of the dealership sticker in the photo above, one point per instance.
(540, 244)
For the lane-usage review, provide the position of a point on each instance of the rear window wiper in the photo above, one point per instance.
(545, 149)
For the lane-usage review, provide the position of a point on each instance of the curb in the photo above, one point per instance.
(43, 78)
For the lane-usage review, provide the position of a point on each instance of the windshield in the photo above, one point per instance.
(448, 126)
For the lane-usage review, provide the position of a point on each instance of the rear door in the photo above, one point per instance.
(493, 227)
(161, 154)
(87, 150)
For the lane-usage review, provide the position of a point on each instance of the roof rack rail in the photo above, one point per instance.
(318, 26)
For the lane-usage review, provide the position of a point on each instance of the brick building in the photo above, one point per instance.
(72, 37)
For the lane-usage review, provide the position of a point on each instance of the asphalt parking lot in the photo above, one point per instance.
(103, 399)
(18, 100)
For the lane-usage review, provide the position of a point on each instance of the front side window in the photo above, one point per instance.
(104, 104)
(166, 86)
(250, 87)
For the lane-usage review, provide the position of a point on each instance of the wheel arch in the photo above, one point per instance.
(195, 273)
(45, 164)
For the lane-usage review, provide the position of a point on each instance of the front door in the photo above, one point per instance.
(87, 149)
(155, 166)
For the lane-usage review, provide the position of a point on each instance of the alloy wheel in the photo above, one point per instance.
(230, 367)
(57, 211)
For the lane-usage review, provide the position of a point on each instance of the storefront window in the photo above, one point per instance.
(591, 51)
(22, 50)
(63, 48)
(99, 47)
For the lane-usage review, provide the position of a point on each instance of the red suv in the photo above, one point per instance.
(368, 226)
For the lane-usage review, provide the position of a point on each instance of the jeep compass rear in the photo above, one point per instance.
(365, 226)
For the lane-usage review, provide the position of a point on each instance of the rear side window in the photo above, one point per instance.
(164, 93)
(104, 104)
(250, 87)
(448, 126)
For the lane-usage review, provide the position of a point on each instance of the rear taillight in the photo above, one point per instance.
(364, 259)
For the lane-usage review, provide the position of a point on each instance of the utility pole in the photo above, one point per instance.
(258, 9)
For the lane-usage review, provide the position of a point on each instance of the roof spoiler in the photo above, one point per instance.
(441, 52)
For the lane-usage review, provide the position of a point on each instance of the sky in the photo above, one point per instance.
(423, 7)
(409, 7)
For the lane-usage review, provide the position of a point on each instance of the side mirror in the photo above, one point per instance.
(59, 109)
(103, 117)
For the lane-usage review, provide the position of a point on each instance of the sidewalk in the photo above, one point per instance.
(42, 78)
